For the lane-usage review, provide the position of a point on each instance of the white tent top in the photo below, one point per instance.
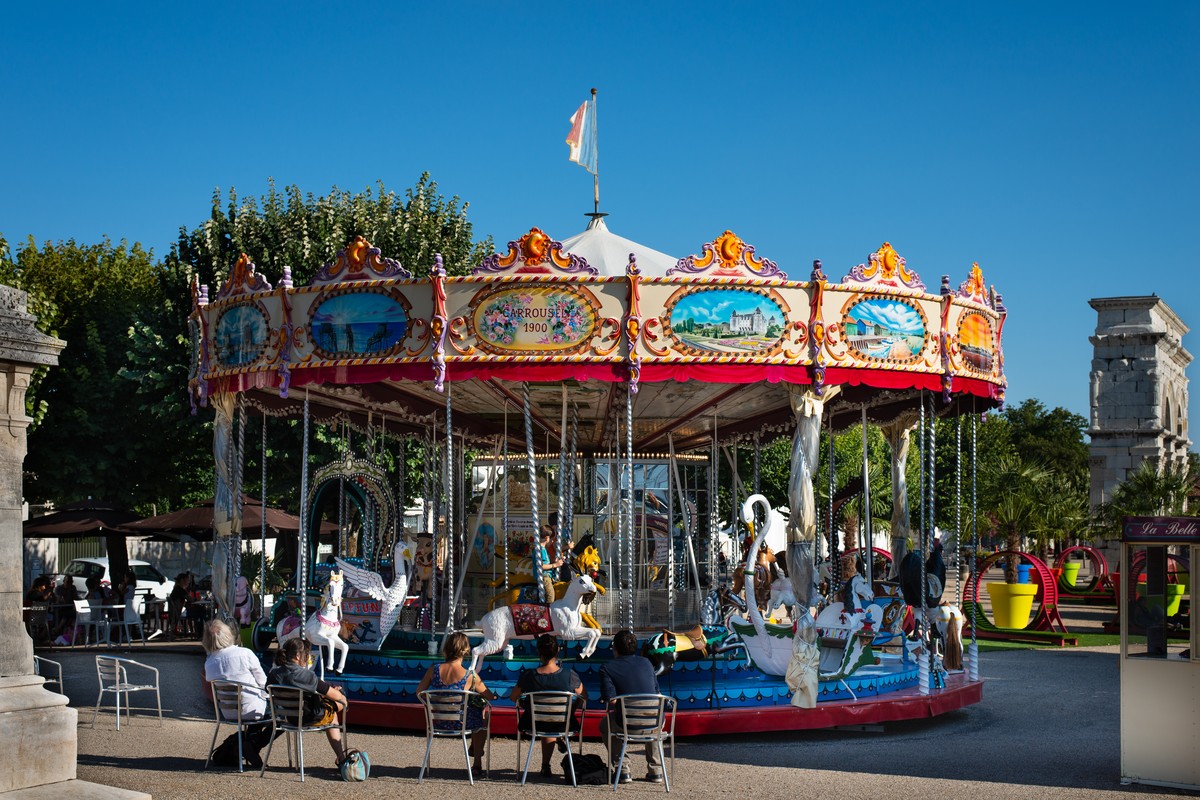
(609, 253)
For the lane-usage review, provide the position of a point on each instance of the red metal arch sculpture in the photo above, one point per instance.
(1047, 617)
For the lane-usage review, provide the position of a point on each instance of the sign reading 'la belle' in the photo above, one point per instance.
(1159, 528)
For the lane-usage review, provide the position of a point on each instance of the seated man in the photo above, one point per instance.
(628, 673)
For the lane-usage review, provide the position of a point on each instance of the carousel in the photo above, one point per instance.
(593, 386)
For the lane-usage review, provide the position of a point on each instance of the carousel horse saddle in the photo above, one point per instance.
(695, 641)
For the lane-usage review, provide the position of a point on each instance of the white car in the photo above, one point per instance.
(149, 579)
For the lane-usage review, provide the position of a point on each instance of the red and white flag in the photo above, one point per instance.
(582, 138)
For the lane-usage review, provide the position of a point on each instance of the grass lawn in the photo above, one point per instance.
(1085, 640)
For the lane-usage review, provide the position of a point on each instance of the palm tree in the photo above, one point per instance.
(1017, 506)
(1148, 491)
(1065, 512)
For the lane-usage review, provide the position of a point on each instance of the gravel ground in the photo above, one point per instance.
(1048, 727)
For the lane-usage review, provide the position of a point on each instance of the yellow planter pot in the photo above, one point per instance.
(1011, 604)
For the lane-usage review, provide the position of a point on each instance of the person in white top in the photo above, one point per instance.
(229, 661)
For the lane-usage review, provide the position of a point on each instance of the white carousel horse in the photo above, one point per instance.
(324, 627)
(768, 645)
(391, 597)
(526, 620)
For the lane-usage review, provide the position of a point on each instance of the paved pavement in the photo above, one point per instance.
(1048, 727)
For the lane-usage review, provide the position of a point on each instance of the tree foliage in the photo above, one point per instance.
(303, 231)
(113, 419)
(88, 438)
(1150, 491)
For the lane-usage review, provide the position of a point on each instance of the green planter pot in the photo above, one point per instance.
(1012, 604)
(1071, 572)
(1175, 592)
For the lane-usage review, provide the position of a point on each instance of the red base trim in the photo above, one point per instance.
(902, 705)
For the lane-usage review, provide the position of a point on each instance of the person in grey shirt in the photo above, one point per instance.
(628, 673)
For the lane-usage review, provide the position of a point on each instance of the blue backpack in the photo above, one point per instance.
(356, 766)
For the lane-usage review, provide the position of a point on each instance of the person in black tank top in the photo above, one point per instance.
(549, 676)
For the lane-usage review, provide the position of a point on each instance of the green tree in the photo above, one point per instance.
(1052, 437)
(87, 438)
(1149, 491)
(1017, 508)
(302, 231)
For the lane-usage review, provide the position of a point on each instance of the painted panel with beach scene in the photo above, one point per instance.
(358, 324)
(882, 329)
(241, 335)
(727, 321)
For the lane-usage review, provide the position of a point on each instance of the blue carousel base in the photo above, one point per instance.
(382, 685)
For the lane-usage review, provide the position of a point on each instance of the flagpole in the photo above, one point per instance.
(596, 174)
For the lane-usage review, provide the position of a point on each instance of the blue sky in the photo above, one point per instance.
(1054, 143)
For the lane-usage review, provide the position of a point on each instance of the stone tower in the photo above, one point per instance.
(1139, 389)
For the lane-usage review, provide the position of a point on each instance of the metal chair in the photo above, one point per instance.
(113, 675)
(551, 716)
(644, 719)
(227, 706)
(131, 617)
(40, 667)
(88, 619)
(446, 717)
(287, 716)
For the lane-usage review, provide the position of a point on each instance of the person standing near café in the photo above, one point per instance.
(628, 673)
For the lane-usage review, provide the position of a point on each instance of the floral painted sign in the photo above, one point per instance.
(535, 319)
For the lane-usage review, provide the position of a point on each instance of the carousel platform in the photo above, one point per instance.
(720, 694)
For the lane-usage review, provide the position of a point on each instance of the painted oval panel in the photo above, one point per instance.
(358, 324)
(882, 329)
(534, 320)
(727, 321)
(975, 341)
(240, 336)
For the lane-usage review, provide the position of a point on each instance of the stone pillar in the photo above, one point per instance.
(1139, 390)
(37, 728)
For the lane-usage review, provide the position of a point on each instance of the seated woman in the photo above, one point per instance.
(451, 674)
(549, 676)
(291, 669)
(227, 661)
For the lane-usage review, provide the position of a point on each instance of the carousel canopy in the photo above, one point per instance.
(610, 253)
(720, 344)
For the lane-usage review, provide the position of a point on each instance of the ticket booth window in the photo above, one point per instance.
(1155, 589)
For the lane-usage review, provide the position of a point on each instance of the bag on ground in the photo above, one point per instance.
(590, 770)
(356, 766)
(226, 753)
